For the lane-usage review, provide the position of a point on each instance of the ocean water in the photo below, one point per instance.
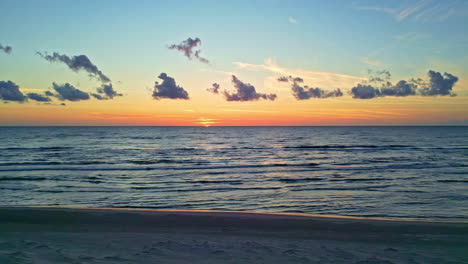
(390, 172)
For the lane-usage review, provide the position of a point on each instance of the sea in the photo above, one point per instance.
(384, 172)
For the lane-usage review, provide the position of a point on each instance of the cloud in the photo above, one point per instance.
(245, 92)
(99, 97)
(423, 10)
(48, 93)
(38, 97)
(214, 89)
(361, 91)
(402, 88)
(68, 92)
(187, 47)
(77, 63)
(169, 89)
(321, 79)
(6, 49)
(305, 92)
(368, 61)
(292, 20)
(437, 84)
(108, 91)
(9, 91)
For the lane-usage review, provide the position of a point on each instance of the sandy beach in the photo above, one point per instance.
(64, 235)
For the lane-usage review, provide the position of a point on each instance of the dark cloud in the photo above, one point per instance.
(77, 63)
(305, 92)
(99, 97)
(187, 47)
(168, 89)
(68, 92)
(402, 88)
(290, 78)
(38, 97)
(9, 91)
(365, 92)
(246, 92)
(108, 90)
(439, 85)
(6, 49)
(214, 89)
(48, 93)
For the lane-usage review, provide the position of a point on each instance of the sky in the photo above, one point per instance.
(233, 63)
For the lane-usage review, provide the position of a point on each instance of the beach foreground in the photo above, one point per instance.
(64, 235)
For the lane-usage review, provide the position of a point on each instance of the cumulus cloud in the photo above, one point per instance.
(380, 86)
(77, 63)
(305, 92)
(38, 97)
(361, 91)
(108, 91)
(69, 92)
(402, 88)
(187, 47)
(214, 89)
(438, 84)
(245, 92)
(6, 49)
(169, 89)
(9, 91)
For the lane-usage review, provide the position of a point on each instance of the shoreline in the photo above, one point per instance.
(190, 236)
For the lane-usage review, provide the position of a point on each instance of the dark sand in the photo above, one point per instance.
(64, 235)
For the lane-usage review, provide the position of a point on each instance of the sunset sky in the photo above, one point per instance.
(355, 53)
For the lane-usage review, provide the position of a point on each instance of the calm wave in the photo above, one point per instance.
(393, 172)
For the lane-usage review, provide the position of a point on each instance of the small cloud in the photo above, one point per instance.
(38, 97)
(187, 47)
(292, 20)
(108, 91)
(77, 63)
(69, 92)
(305, 92)
(439, 85)
(169, 89)
(361, 91)
(6, 49)
(372, 62)
(48, 93)
(99, 97)
(245, 92)
(9, 91)
(214, 89)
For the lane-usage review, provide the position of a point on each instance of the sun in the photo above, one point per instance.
(206, 122)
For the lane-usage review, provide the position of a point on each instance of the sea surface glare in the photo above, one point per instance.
(391, 172)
